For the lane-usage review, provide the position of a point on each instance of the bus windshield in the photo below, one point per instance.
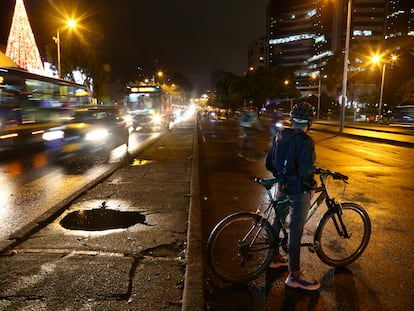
(149, 106)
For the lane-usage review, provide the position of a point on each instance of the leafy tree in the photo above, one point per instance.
(255, 88)
(223, 97)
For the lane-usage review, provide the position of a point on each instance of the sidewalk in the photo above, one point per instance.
(373, 132)
(148, 259)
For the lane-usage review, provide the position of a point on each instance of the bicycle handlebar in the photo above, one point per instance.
(335, 175)
(269, 182)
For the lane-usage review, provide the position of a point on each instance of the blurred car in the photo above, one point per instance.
(150, 122)
(91, 131)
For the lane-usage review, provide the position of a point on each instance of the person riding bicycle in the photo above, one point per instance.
(276, 125)
(293, 156)
(249, 124)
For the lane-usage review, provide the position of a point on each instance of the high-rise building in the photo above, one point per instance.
(297, 38)
(399, 31)
(399, 38)
(256, 56)
(368, 24)
(307, 33)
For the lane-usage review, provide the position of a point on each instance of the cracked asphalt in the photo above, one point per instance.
(141, 267)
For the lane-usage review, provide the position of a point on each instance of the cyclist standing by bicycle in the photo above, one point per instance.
(293, 156)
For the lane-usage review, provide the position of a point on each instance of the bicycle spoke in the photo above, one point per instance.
(237, 260)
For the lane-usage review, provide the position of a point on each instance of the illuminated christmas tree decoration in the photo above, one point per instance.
(21, 44)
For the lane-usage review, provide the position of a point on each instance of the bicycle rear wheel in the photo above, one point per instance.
(241, 247)
(341, 239)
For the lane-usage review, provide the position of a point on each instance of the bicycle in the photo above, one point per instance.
(242, 245)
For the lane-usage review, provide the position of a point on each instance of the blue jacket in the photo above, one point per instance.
(297, 152)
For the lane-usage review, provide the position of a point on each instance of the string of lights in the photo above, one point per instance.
(21, 44)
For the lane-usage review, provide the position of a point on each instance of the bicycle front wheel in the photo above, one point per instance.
(241, 247)
(342, 238)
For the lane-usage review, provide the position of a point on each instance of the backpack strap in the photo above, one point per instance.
(290, 154)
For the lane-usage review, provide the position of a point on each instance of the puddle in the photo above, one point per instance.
(99, 219)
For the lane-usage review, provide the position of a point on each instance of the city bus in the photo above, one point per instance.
(403, 115)
(149, 106)
(31, 103)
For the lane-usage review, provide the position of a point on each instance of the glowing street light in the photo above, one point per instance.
(376, 59)
(159, 74)
(71, 24)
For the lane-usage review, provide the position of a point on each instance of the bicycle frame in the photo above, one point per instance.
(323, 196)
(320, 198)
(314, 206)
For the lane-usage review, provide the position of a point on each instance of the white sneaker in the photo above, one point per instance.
(302, 281)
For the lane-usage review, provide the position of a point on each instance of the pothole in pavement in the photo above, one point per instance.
(101, 218)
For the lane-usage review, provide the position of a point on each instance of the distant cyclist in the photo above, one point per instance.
(293, 156)
(276, 125)
(249, 124)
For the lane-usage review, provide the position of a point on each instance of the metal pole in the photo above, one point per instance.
(58, 50)
(345, 75)
(381, 92)
(319, 97)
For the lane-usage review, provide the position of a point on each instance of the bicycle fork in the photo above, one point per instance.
(337, 219)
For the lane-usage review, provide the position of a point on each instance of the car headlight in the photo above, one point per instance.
(53, 135)
(97, 135)
(128, 119)
(156, 118)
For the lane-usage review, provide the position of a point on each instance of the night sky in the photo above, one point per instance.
(192, 37)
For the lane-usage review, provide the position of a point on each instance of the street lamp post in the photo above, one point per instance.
(345, 75)
(71, 24)
(376, 59)
(159, 76)
(57, 40)
(319, 94)
(381, 93)
(319, 97)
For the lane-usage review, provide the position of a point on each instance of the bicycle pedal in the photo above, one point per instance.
(313, 247)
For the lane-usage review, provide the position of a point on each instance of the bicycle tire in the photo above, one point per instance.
(236, 263)
(336, 250)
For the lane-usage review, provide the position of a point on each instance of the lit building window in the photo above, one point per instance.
(363, 33)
